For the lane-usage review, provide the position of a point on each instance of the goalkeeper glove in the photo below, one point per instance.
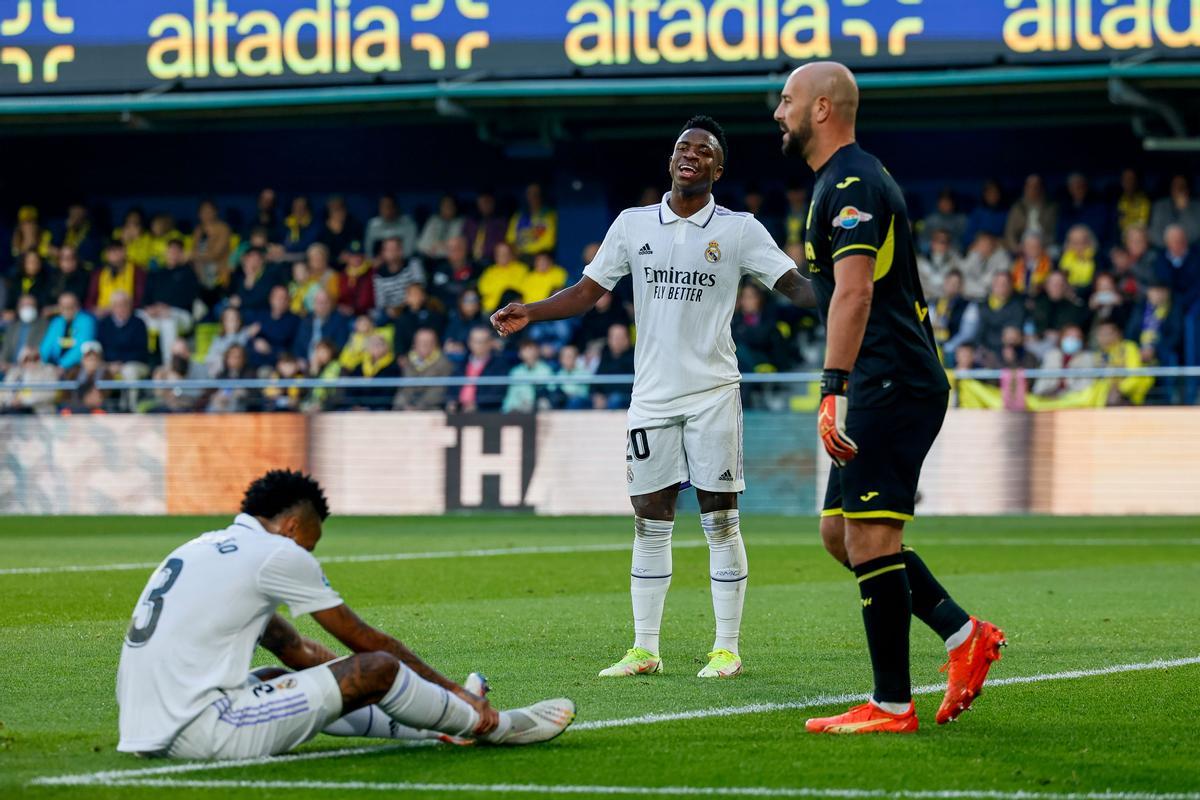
(831, 422)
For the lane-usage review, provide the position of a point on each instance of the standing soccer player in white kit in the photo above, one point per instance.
(687, 257)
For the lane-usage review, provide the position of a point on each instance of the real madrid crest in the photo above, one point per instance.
(712, 253)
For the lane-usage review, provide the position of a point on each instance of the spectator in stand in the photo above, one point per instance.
(989, 215)
(1070, 353)
(419, 311)
(323, 364)
(70, 276)
(311, 276)
(139, 244)
(1117, 352)
(1179, 267)
(1080, 258)
(1178, 208)
(503, 275)
(171, 295)
(1143, 260)
(573, 392)
(796, 220)
(486, 230)
(1133, 205)
(527, 397)
(543, 280)
(552, 334)
(355, 350)
(755, 202)
(378, 362)
(252, 285)
(234, 367)
(179, 366)
(389, 224)
(1057, 307)
(211, 242)
(465, 318)
(29, 369)
(985, 259)
(117, 275)
(92, 367)
(233, 333)
(943, 256)
(425, 360)
(533, 229)
(125, 340)
(452, 275)
(483, 361)
(277, 398)
(1012, 353)
(1106, 303)
(32, 277)
(596, 322)
(393, 276)
(616, 359)
(1033, 213)
(1081, 208)
(162, 232)
(339, 233)
(946, 217)
(440, 228)
(77, 234)
(62, 345)
(27, 329)
(1156, 324)
(300, 228)
(266, 215)
(955, 319)
(277, 330)
(757, 341)
(1030, 269)
(325, 324)
(1003, 309)
(356, 285)
(30, 235)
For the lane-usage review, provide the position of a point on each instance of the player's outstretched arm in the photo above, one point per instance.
(295, 651)
(570, 302)
(797, 289)
(349, 629)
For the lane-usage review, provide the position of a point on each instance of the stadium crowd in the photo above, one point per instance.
(1080, 279)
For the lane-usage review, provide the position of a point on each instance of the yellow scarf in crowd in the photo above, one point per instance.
(109, 283)
(372, 368)
(296, 224)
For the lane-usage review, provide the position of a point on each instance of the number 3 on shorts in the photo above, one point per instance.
(638, 446)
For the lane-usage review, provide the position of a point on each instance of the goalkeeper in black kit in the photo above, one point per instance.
(883, 399)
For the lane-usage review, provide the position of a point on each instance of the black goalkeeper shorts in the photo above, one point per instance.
(893, 440)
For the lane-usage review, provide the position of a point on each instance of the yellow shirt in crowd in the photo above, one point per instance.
(498, 279)
(536, 286)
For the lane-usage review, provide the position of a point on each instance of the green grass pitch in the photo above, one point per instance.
(1072, 594)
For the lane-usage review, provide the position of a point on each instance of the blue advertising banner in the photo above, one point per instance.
(102, 45)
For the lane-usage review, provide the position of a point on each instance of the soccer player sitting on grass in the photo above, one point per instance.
(184, 684)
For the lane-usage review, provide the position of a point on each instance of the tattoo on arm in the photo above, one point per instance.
(797, 289)
(294, 650)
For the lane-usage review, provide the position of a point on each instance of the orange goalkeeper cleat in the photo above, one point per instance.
(867, 718)
(967, 668)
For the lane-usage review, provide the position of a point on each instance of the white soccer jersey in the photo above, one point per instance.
(198, 621)
(686, 273)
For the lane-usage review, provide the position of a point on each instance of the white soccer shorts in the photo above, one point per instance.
(704, 447)
(263, 718)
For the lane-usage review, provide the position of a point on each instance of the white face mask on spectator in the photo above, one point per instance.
(1072, 345)
(27, 314)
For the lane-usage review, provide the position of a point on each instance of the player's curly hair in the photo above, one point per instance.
(707, 123)
(280, 490)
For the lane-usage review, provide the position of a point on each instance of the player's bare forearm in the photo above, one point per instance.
(797, 289)
(570, 302)
(294, 650)
(349, 629)
(849, 309)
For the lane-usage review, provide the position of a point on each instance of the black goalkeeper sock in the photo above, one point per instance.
(931, 603)
(887, 614)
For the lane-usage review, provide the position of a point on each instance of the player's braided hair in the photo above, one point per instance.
(707, 123)
(280, 490)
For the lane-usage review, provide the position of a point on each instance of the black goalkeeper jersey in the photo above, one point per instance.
(857, 209)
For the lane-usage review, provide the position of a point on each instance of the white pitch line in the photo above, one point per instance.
(932, 541)
(117, 777)
(837, 699)
(650, 791)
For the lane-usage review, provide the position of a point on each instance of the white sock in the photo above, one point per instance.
(371, 722)
(891, 708)
(416, 702)
(650, 578)
(727, 572)
(960, 635)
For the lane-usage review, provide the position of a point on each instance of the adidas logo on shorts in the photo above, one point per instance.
(726, 476)
(646, 251)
